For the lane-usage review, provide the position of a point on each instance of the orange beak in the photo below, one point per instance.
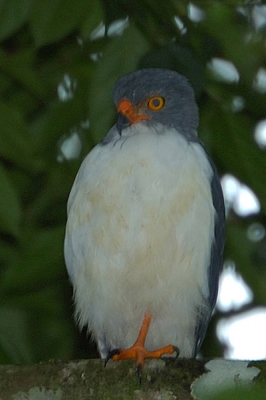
(131, 111)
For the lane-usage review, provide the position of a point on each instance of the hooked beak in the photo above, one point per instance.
(128, 114)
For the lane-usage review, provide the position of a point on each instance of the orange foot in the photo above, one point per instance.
(138, 350)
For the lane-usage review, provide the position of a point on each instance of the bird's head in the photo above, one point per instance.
(156, 96)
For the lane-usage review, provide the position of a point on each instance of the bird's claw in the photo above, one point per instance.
(176, 349)
(139, 372)
(110, 355)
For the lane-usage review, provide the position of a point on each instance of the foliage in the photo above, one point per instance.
(57, 69)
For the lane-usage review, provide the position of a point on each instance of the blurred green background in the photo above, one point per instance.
(59, 60)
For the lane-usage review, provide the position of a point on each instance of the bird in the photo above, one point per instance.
(145, 228)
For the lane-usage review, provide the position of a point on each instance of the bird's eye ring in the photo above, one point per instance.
(156, 103)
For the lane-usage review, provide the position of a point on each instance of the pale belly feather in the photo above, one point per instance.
(139, 234)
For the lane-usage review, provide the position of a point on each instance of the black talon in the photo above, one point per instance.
(139, 372)
(177, 351)
(110, 355)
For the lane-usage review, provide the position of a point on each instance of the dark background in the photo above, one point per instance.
(56, 79)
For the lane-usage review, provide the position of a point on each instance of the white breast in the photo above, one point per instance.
(138, 239)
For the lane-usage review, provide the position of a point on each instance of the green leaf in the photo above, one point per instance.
(255, 391)
(15, 144)
(229, 137)
(241, 249)
(9, 205)
(232, 32)
(39, 263)
(13, 14)
(50, 313)
(18, 68)
(60, 119)
(7, 251)
(121, 55)
(14, 342)
(51, 20)
(93, 18)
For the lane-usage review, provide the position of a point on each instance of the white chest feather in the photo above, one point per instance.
(139, 234)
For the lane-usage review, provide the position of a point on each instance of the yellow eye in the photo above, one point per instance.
(156, 103)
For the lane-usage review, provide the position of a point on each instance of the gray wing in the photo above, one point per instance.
(216, 260)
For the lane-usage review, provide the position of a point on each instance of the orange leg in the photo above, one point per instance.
(138, 350)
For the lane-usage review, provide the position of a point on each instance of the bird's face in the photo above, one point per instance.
(153, 96)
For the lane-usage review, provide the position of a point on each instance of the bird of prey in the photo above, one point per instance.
(145, 230)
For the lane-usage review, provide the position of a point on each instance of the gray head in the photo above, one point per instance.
(158, 96)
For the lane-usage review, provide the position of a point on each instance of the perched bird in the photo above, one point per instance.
(145, 231)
